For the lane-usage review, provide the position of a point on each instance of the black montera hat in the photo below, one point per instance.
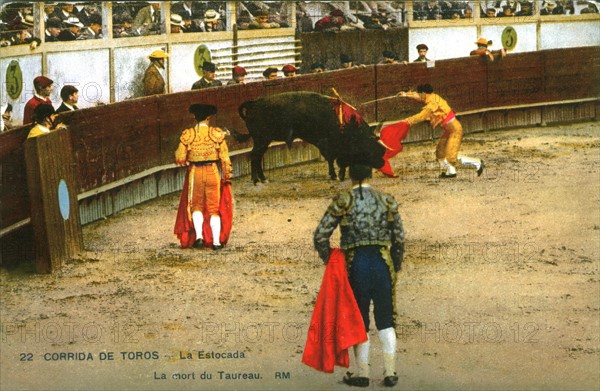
(360, 172)
(41, 112)
(202, 111)
(424, 88)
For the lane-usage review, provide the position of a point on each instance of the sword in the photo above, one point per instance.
(377, 100)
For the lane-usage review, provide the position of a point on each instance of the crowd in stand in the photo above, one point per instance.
(69, 21)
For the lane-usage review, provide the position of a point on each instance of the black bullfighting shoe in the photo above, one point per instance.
(356, 381)
(199, 243)
(446, 176)
(480, 169)
(217, 247)
(390, 381)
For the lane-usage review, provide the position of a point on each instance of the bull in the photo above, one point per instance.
(314, 118)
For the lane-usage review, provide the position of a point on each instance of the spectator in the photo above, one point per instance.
(212, 22)
(388, 58)
(43, 89)
(590, 9)
(69, 95)
(422, 49)
(346, 61)
(270, 73)
(190, 14)
(526, 9)
(490, 13)
(94, 30)
(43, 118)
(6, 118)
(24, 35)
(317, 68)
(177, 24)
(148, 20)
(53, 27)
(482, 50)
(86, 14)
(123, 27)
(64, 12)
(49, 10)
(261, 21)
(238, 75)
(208, 78)
(333, 22)
(507, 10)
(551, 8)
(289, 70)
(467, 13)
(72, 30)
(154, 82)
(374, 22)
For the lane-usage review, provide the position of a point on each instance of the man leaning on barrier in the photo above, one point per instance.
(372, 238)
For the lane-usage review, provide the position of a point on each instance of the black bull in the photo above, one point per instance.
(311, 117)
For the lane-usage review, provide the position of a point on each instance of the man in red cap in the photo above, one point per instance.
(43, 89)
(238, 75)
(289, 70)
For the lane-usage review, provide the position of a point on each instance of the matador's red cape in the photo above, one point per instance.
(391, 137)
(184, 227)
(336, 322)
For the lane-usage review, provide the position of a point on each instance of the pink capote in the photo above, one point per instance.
(391, 137)
(336, 322)
(184, 227)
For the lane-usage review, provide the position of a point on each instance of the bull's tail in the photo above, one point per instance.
(240, 137)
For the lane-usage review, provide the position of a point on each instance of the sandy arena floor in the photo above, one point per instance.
(500, 288)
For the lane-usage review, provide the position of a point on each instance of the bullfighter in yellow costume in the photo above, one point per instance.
(201, 148)
(438, 112)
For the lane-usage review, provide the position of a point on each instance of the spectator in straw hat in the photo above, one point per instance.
(212, 22)
(43, 89)
(177, 24)
(482, 50)
(208, 78)
(154, 82)
(289, 70)
(238, 75)
(72, 30)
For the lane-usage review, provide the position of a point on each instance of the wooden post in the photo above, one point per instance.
(52, 185)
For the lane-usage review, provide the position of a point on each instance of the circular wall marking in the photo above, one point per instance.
(14, 80)
(201, 56)
(63, 199)
(509, 38)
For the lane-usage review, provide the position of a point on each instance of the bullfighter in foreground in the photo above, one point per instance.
(204, 196)
(372, 238)
(438, 112)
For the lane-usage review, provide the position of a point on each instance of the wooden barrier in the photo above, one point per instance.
(54, 209)
(116, 147)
